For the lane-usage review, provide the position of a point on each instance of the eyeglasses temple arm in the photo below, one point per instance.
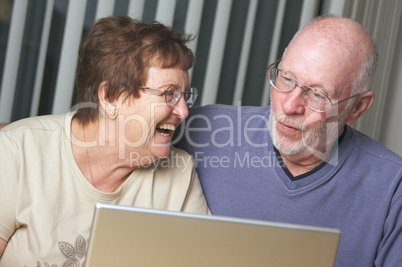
(144, 87)
(347, 99)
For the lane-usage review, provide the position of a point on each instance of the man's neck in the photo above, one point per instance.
(303, 163)
(297, 166)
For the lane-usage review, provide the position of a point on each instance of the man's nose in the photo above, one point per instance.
(293, 103)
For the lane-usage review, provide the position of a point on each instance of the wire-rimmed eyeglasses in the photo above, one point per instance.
(313, 98)
(174, 92)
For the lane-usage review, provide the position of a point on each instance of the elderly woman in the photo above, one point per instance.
(133, 91)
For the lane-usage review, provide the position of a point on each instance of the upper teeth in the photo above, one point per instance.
(167, 127)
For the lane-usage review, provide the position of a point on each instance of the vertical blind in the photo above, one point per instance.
(234, 42)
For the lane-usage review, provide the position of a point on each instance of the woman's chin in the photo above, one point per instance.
(161, 151)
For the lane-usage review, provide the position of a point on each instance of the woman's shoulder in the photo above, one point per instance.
(41, 123)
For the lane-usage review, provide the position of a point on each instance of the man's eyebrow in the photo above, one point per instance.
(315, 86)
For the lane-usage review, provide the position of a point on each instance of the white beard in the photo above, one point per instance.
(317, 139)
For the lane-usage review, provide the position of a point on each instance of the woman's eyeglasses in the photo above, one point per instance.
(174, 92)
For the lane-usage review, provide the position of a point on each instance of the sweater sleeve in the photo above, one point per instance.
(389, 250)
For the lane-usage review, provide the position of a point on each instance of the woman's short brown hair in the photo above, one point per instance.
(119, 51)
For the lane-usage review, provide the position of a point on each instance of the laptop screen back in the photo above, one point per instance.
(129, 236)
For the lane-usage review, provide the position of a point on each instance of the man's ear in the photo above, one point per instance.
(361, 105)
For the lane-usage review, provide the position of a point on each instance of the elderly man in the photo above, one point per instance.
(311, 167)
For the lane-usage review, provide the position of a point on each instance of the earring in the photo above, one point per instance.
(113, 114)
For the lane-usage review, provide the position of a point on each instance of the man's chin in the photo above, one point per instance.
(288, 150)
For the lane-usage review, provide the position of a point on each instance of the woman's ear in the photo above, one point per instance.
(109, 107)
(361, 105)
(102, 94)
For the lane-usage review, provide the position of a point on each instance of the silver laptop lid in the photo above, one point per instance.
(129, 236)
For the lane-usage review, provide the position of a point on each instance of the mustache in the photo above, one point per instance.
(289, 121)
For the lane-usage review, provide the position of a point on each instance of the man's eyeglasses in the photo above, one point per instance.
(313, 98)
(173, 94)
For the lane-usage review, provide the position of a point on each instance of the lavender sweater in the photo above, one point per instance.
(360, 193)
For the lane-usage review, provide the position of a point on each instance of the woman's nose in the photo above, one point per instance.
(181, 109)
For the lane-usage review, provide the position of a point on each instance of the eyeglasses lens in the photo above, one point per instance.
(173, 94)
(191, 96)
(313, 98)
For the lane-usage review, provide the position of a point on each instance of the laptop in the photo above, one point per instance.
(129, 236)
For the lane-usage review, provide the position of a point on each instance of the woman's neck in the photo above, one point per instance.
(98, 157)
